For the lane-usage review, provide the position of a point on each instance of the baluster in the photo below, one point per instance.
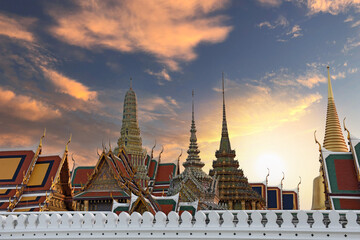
(148, 220)
(318, 220)
(303, 220)
(100, 220)
(89, 220)
(228, 218)
(44, 220)
(334, 220)
(200, 219)
(287, 219)
(10, 222)
(256, 220)
(78, 220)
(112, 220)
(124, 220)
(160, 220)
(243, 218)
(214, 218)
(33, 221)
(271, 220)
(66, 220)
(55, 220)
(351, 218)
(22, 221)
(135, 220)
(173, 219)
(186, 218)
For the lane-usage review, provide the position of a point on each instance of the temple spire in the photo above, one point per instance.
(225, 142)
(130, 83)
(334, 139)
(193, 159)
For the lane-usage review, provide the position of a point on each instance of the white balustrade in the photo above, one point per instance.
(204, 225)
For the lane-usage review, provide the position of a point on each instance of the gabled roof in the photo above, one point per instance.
(14, 164)
(80, 176)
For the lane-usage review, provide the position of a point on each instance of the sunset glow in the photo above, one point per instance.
(66, 65)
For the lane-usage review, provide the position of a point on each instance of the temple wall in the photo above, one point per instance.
(205, 225)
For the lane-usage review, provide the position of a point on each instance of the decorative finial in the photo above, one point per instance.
(130, 82)
(103, 146)
(330, 91)
(109, 146)
(282, 180)
(67, 144)
(223, 88)
(267, 176)
(162, 150)
(316, 141)
(152, 151)
(348, 132)
(97, 151)
(178, 163)
(193, 119)
(298, 186)
(42, 137)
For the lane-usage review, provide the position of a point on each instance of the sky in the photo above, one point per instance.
(65, 66)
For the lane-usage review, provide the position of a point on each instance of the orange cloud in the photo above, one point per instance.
(170, 30)
(69, 86)
(16, 27)
(10, 140)
(25, 107)
(331, 6)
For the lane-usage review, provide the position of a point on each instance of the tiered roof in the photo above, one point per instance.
(233, 185)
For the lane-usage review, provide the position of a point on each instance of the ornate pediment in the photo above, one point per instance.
(104, 179)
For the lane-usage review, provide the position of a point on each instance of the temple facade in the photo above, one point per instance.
(234, 189)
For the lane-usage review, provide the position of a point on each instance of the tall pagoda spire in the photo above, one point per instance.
(234, 189)
(225, 141)
(334, 139)
(193, 159)
(130, 132)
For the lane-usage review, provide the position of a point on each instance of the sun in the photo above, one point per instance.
(274, 163)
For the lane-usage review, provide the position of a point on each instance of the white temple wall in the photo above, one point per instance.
(205, 225)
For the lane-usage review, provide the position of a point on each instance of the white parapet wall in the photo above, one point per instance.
(204, 225)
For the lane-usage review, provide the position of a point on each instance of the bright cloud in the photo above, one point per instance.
(311, 79)
(271, 3)
(331, 6)
(16, 27)
(69, 86)
(162, 75)
(295, 31)
(258, 108)
(170, 30)
(281, 21)
(25, 107)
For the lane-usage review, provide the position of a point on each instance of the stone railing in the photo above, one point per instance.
(204, 225)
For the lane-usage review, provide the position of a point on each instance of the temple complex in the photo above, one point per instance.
(128, 175)
(234, 189)
(337, 186)
(193, 183)
(32, 182)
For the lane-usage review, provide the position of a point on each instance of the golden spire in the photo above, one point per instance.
(334, 139)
